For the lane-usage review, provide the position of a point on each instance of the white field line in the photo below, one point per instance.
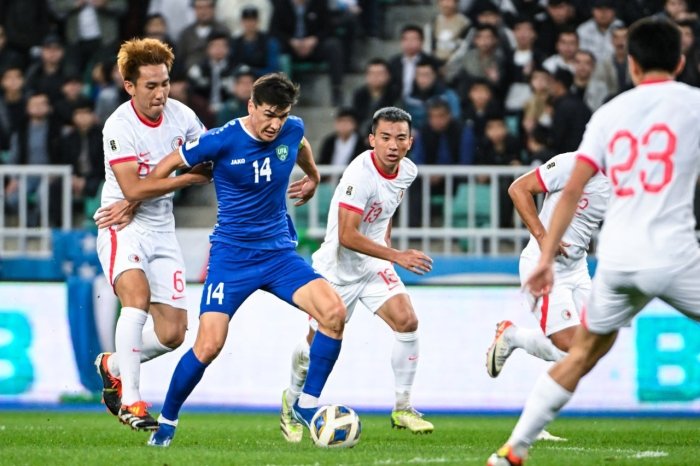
(625, 452)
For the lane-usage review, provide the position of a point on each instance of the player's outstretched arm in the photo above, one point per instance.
(350, 237)
(305, 188)
(158, 182)
(522, 192)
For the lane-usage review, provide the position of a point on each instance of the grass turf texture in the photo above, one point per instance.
(254, 439)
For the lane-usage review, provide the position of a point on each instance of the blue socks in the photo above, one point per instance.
(188, 373)
(322, 356)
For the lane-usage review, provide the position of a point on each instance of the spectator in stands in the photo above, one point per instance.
(426, 86)
(179, 88)
(586, 86)
(569, 114)
(192, 43)
(72, 94)
(487, 13)
(595, 34)
(26, 23)
(345, 142)
(567, 46)
(376, 92)
(677, 11)
(480, 103)
(403, 65)
(8, 57)
(522, 62)
(445, 33)
(82, 149)
(540, 82)
(500, 148)
(46, 75)
(112, 95)
(156, 27)
(486, 60)
(236, 106)
(254, 48)
(91, 29)
(538, 152)
(691, 71)
(178, 14)
(229, 12)
(211, 80)
(345, 15)
(560, 16)
(443, 139)
(34, 143)
(303, 28)
(12, 104)
(613, 71)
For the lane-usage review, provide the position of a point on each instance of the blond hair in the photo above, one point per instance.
(136, 53)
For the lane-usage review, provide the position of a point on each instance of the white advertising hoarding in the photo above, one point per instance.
(456, 328)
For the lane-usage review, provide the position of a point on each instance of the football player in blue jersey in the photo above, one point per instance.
(253, 242)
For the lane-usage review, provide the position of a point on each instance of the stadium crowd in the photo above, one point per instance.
(487, 82)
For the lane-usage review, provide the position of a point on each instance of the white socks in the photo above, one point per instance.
(544, 403)
(300, 367)
(404, 361)
(533, 342)
(129, 343)
(151, 348)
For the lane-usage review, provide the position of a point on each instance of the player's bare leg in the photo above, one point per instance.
(292, 430)
(398, 313)
(551, 392)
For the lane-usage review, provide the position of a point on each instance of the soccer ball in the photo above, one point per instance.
(335, 426)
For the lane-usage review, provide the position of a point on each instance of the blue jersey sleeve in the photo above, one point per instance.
(206, 148)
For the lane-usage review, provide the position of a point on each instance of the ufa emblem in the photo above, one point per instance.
(282, 152)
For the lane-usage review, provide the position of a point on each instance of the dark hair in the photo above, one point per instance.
(275, 89)
(217, 35)
(83, 103)
(426, 62)
(346, 112)
(563, 76)
(437, 103)
(413, 28)
(655, 44)
(392, 114)
(487, 27)
(377, 61)
(587, 52)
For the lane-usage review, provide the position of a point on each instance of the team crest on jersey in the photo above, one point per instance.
(399, 196)
(177, 142)
(134, 258)
(282, 152)
(566, 315)
(114, 145)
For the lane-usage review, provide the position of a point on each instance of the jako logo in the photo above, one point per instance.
(237, 161)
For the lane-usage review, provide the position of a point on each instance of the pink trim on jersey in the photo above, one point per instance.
(128, 158)
(539, 178)
(149, 123)
(381, 172)
(589, 161)
(545, 311)
(350, 207)
(113, 255)
(584, 317)
(654, 81)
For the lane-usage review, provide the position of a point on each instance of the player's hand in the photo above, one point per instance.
(201, 173)
(414, 261)
(117, 215)
(540, 281)
(562, 249)
(303, 189)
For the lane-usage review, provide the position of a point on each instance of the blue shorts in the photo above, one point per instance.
(235, 273)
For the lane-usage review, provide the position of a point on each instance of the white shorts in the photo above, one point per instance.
(618, 296)
(561, 308)
(157, 253)
(375, 288)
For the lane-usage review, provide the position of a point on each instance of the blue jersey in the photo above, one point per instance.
(251, 178)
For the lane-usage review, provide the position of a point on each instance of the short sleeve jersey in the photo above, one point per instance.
(127, 137)
(553, 176)
(365, 189)
(251, 178)
(647, 141)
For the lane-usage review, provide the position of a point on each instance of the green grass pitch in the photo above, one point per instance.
(91, 438)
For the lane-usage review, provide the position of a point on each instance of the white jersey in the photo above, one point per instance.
(553, 176)
(364, 189)
(127, 137)
(647, 140)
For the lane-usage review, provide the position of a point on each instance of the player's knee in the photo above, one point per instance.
(582, 360)
(333, 317)
(208, 351)
(174, 336)
(407, 323)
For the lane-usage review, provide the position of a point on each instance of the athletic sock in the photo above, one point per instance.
(534, 342)
(151, 347)
(544, 403)
(129, 343)
(188, 373)
(323, 353)
(300, 367)
(404, 362)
